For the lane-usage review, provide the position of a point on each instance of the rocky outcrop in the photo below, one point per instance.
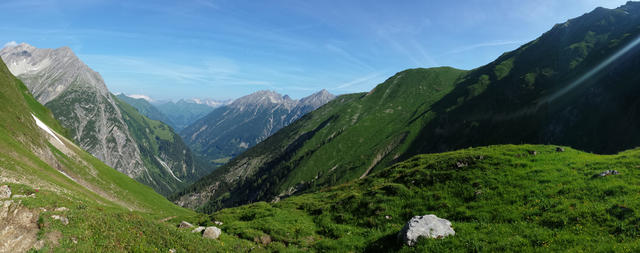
(212, 233)
(18, 227)
(428, 226)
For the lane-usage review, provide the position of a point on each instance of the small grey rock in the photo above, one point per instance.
(533, 152)
(212, 233)
(429, 226)
(197, 230)
(61, 209)
(559, 149)
(5, 192)
(185, 224)
(62, 219)
(608, 172)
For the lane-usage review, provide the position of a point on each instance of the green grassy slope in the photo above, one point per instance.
(335, 143)
(157, 140)
(108, 211)
(498, 198)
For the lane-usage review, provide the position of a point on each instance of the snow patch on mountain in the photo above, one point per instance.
(44, 127)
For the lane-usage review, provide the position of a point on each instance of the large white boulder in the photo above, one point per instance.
(429, 226)
(211, 233)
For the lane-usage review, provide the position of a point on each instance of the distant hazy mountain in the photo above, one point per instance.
(229, 130)
(80, 100)
(186, 111)
(575, 85)
(145, 107)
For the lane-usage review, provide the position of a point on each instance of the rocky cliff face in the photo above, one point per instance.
(80, 100)
(229, 130)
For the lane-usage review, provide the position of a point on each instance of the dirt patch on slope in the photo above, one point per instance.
(18, 227)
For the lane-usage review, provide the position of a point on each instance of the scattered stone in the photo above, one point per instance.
(74, 240)
(172, 250)
(61, 209)
(219, 223)
(19, 196)
(62, 219)
(608, 173)
(212, 233)
(461, 164)
(198, 230)
(5, 192)
(559, 149)
(533, 152)
(429, 226)
(264, 239)
(387, 217)
(185, 224)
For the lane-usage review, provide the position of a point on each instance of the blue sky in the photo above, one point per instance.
(225, 49)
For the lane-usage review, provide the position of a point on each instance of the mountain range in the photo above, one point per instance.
(230, 129)
(143, 149)
(185, 112)
(571, 86)
(349, 176)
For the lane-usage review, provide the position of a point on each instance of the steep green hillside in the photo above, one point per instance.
(498, 198)
(145, 108)
(107, 210)
(572, 86)
(575, 85)
(341, 141)
(169, 162)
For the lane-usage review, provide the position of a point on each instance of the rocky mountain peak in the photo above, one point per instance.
(49, 72)
(79, 99)
(261, 98)
(318, 99)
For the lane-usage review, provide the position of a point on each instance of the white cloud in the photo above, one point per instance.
(12, 43)
(139, 96)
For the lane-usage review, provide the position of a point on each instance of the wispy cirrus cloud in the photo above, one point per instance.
(367, 80)
(214, 72)
(349, 57)
(482, 45)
